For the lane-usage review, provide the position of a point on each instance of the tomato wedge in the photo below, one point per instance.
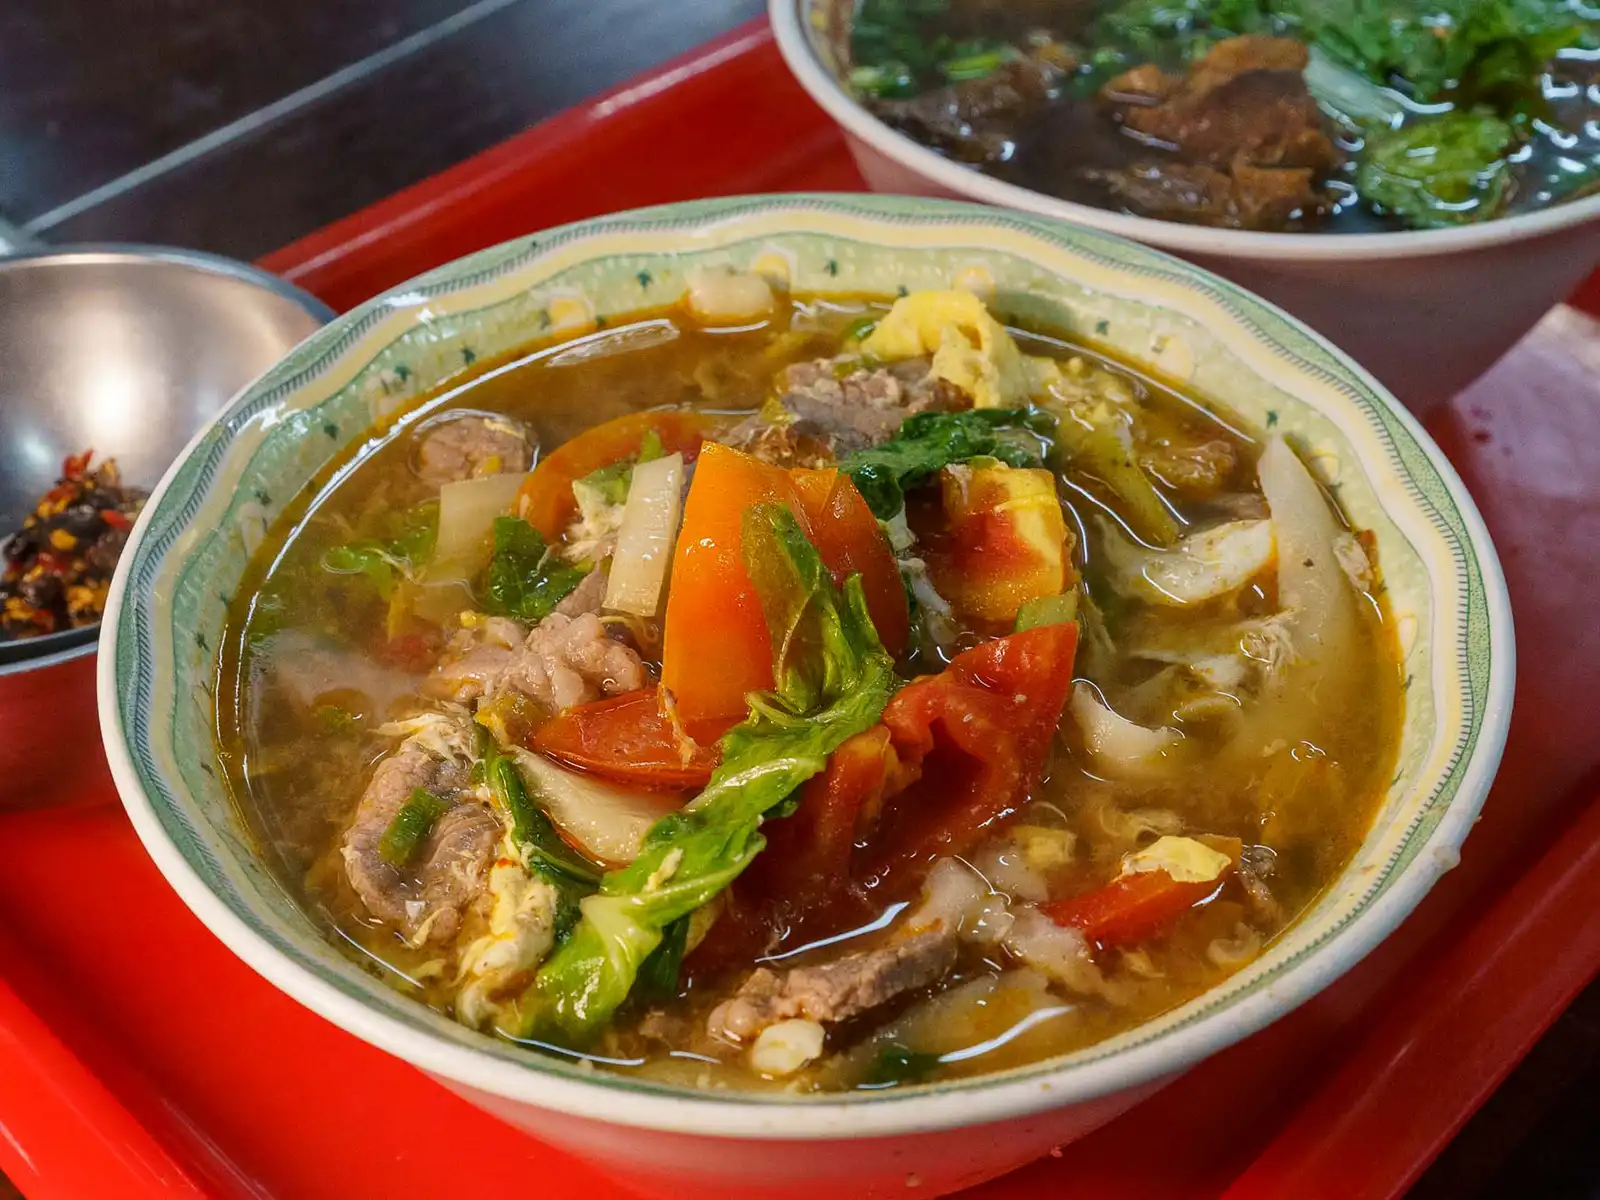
(1131, 908)
(545, 500)
(716, 648)
(628, 739)
(970, 745)
(851, 542)
(715, 645)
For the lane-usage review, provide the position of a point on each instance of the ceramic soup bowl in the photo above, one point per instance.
(214, 507)
(1426, 311)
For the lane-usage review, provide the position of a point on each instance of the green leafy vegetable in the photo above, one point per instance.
(1428, 47)
(931, 440)
(387, 559)
(526, 580)
(1448, 171)
(658, 974)
(542, 847)
(894, 52)
(1048, 610)
(411, 827)
(1097, 443)
(896, 1064)
(609, 485)
(650, 447)
(833, 680)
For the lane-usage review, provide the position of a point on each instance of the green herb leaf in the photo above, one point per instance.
(929, 441)
(693, 854)
(1448, 171)
(405, 545)
(526, 580)
(411, 827)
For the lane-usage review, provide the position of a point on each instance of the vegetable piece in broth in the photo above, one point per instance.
(833, 681)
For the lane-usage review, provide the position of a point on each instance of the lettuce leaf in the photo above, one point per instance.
(834, 679)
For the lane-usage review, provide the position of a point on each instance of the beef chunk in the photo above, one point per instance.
(564, 661)
(1249, 198)
(1251, 143)
(1195, 470)
(835, 991)
(974, 120)
(424, 900)
(470, 445)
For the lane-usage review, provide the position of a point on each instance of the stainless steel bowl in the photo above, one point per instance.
(129, 350)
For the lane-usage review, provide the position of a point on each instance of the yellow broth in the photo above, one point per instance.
(1299, 805)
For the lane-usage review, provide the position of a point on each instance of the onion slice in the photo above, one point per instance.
(644, 542)
(606, 822)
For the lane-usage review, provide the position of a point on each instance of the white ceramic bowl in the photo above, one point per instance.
(1427, 312)
(212, 510)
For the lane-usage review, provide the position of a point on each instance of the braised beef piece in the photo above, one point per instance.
(467, 446)
(833, 992)
(1252, 145)
(974, 120)
(837, 405)
(424, 900)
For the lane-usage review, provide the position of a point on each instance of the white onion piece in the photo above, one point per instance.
(1202, 566)
(606, 821)
(467, 509)
(1313, 589)
(1115, 744)
(644, 541)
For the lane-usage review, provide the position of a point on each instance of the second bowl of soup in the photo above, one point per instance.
(1419, 185)
(811, 670)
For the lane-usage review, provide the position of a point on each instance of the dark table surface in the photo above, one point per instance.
(236, 126)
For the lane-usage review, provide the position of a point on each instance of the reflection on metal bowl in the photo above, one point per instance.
(129, 350)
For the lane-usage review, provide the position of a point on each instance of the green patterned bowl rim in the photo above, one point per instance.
(1466, 654)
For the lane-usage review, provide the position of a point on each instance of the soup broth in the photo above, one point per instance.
(1272, 115)
(821, 703)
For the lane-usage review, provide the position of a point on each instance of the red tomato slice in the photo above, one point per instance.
(716, 648)
(971, 744)
(851, 542)
(546, 501)
(1131, 908)
(628, 739)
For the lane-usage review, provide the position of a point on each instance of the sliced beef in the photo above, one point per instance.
(571, 660)
(1251, 144)
(1249, 198)
(564, 660)
(474, 658)
(974, 120)
(1245, 100)
(1195, 470)
(792, 444)
(424, 900)
(589, 596)
(471, 445)
(835, 991)
(852, 407)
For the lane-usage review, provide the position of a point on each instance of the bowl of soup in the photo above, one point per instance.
(807, 695)
(1416, 182)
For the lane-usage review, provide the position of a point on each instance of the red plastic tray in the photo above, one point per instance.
(138, 1057)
